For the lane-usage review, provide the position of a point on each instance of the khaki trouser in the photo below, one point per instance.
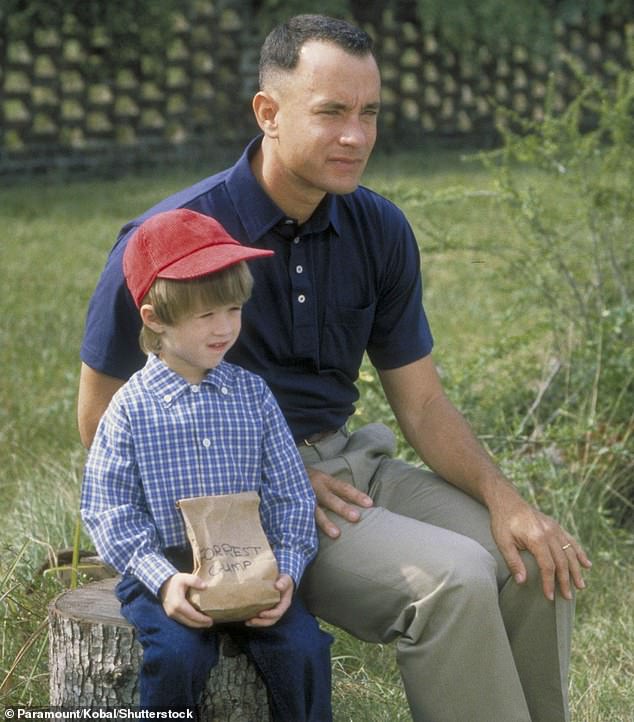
(421, 568)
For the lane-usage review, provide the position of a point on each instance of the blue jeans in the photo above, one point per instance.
(292, 656)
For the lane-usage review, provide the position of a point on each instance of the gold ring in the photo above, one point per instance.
(566, 546)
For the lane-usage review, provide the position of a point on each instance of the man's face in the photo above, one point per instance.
(326, 119)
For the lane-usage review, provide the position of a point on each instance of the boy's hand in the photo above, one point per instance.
(173, 595)
(285, 586)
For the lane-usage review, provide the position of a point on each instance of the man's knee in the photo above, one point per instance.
(465, 568)
(472, 573)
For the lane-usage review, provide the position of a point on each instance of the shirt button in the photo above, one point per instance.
(224, 390)
(167, 398)
(195, 389)
(206, 443)
(299, 269)
(296, 240)
(301, 298)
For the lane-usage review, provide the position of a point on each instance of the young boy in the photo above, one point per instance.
(190, 424)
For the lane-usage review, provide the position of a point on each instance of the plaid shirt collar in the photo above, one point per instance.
(168, 386)
(257, 211)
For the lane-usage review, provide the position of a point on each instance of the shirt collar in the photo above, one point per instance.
(258, 213)
(167, 385)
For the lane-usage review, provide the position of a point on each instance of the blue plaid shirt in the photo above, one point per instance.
(163, 439)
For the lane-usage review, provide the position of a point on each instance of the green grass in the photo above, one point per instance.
(494, 345)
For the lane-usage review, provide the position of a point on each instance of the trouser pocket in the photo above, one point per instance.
(358, 461)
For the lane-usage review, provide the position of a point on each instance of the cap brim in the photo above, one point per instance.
(210, 259)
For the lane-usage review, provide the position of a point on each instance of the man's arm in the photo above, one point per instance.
(95, 391)
(444, 440)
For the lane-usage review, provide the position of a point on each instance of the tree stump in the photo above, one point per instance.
(94, 660)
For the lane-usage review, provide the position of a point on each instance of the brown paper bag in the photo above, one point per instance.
(231, 554)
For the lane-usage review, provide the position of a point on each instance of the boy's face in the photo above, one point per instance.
(199, 342)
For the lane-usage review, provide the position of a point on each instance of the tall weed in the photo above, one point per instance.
(576, 223)
(577, 253)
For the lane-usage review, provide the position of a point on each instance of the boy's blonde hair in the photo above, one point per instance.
(173, 300)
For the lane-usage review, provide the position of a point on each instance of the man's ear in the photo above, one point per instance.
(150, 318)
(265, 108)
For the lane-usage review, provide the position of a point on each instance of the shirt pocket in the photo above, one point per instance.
(345, 338)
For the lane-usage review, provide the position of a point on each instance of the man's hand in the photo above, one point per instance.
(336, 496)
(267, 618)
(173, 595)
(517, 526)
(445, 441)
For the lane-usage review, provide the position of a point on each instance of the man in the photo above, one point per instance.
(474, 584)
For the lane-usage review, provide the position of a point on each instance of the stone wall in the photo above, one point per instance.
(69, 100)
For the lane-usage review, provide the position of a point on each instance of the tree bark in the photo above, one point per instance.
(94, 660)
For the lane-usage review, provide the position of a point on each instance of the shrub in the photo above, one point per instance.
(574, 216)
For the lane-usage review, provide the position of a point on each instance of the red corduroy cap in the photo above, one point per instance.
(180, 244)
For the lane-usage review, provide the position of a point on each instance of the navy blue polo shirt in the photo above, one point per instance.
(345, 282)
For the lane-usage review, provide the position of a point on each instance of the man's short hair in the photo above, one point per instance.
(174, 300)
(280, 51)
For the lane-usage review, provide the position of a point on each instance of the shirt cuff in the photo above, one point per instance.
(153, 570)
(292, 564)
